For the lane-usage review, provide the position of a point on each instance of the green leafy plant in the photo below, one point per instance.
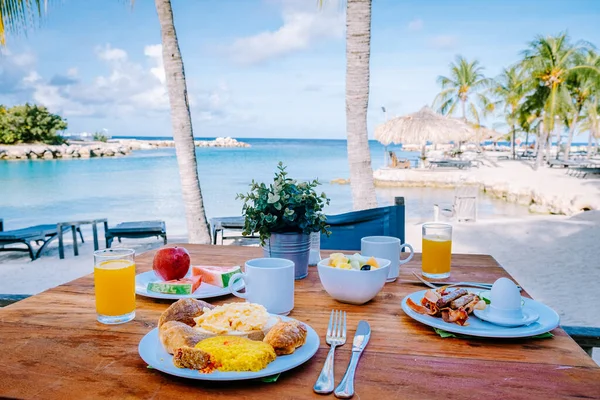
(30, 124)
(100, 137)
(283, 206)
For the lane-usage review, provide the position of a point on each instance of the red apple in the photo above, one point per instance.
(171, 263)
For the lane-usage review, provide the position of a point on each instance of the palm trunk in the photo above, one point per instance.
(571, 133)
(358, 51)
(181, 123)
(541, 145)
(512, 143)
(589, 146)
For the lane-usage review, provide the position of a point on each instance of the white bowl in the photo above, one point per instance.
(353, 286)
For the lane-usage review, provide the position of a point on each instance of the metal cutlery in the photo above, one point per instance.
(436, 285)
(345, 389)
(336, 336)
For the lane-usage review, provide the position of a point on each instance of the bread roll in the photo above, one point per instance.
(184, 310)
(286, 337)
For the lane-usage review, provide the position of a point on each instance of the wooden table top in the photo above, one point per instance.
(53, 347)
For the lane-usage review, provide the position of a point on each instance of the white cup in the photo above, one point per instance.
(387, 247)
(269, 282)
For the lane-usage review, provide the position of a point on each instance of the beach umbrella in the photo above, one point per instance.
(423, 126)
(482, 134)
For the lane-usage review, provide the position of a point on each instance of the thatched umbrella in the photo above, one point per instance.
(424, 126)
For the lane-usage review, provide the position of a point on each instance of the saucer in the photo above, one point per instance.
(528, 317)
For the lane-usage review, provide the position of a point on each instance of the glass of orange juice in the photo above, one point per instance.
(437, 250)
(114, 281)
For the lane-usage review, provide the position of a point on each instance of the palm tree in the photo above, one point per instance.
(551, 61)
(358, 51)
(16, 15)
(181, 123)
(591, 123)
(511, 87)
(466, 87)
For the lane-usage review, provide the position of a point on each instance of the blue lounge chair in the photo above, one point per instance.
(43, 234)
(136, 230)
(347, 229)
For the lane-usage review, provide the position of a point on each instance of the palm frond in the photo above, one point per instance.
(17, 15)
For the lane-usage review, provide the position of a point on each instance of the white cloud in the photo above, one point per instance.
(127, 89)
(443, 42)
(415, 25)
(155, 53)
(302, 27)
(109, 53)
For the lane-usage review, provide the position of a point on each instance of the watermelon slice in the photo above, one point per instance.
(176, 286)
(217, 276)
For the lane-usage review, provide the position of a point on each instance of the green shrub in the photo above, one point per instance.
(100, 137)
(30, 124)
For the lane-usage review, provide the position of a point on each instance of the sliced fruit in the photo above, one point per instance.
(217, 276)
(176, 286)
(372, 262)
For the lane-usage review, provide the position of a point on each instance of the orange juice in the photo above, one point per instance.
(115, 287)
(437, 254)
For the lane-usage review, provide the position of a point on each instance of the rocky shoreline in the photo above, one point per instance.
(548, 192)
(113, 148)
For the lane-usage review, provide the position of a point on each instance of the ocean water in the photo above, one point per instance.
(145, 185)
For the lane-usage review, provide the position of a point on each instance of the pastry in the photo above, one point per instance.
(175, 334)
(184, 310)
(286, 337)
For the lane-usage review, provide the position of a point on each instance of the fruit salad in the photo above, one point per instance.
(356, 262)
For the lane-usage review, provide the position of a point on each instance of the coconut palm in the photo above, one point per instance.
(511, 88)
(17, 14)
(465, 87)
(551, 61)
(358, 51)
(181, 123)
(591, 122)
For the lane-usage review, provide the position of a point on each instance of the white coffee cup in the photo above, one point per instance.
(269, 282)
(387, 247)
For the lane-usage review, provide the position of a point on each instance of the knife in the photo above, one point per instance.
(345, 389)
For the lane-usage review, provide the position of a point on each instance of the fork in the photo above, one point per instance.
(437, 285)
(336, 336)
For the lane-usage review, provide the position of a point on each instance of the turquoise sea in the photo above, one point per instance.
(145, 184)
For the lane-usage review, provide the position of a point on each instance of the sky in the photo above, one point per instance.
(263, 68)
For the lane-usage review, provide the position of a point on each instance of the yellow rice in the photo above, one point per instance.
(231, 353)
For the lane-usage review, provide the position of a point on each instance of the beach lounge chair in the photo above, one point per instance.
(464, 207)
(221, 224)
(136, 230)
(347, 229)
(43, 234)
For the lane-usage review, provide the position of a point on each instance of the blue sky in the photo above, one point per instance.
(263, 68)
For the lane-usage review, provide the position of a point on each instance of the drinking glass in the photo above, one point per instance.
(114, 282)
(437, 250)
(315, 249)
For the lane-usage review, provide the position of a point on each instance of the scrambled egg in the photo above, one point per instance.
(241, 317)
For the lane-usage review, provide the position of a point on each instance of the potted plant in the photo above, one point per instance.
(284, 214)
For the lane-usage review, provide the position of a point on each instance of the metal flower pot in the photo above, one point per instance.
(291, 246)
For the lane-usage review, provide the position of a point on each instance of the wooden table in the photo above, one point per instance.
(52, 347)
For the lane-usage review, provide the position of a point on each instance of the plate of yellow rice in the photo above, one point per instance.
(257, 357)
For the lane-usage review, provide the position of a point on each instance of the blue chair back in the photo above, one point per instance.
(347, 229)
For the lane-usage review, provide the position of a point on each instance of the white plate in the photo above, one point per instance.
(205, 291)
(527, 318)
(548, 320)
(154, 354)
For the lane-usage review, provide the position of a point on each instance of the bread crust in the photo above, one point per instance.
(184, 310)
(286, 337)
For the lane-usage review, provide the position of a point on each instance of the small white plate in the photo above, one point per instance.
(548, 320)
(205, 291)
(154, 354)
(528, 317)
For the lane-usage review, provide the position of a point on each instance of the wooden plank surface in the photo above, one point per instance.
(52, 347)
